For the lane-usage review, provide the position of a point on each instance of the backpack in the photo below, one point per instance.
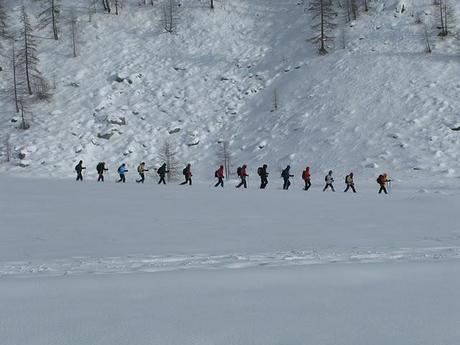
(284, 174)
(238, 171)
(305, 175)
(216, 174)
(184, 172)
(100, 167)
(259, 171)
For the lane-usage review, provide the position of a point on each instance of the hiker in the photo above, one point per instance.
(162, 173)
(187, 174)
(285, 174)
(241, 171)
(219, 174)
(100, 171)
(306, 176)
(329, 180)
(262, 172)
(350, 183)
(79, 169)
(382, 180)
(122, 171)
(141, 170)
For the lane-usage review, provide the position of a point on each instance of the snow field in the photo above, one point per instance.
(115, 264)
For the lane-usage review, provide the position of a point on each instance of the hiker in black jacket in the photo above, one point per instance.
(263, 174)
(187, 172)
(79, 169)
(286, 175)
(100, 171)
(162, 173)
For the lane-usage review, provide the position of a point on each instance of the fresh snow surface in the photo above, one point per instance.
(111, 264)
(379, 104)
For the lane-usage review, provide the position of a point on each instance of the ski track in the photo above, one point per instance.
(152, 264)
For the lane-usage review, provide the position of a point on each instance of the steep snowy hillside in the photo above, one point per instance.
(380, 103)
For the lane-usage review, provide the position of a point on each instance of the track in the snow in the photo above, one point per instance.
(152, 263)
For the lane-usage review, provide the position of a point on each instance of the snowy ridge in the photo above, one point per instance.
(153, 264)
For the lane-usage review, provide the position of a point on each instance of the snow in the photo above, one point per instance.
(407, 304)
(114, 264)
(380, 103)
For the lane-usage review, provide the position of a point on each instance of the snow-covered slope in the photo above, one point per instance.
(381, 103)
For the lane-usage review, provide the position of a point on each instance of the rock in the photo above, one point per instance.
(78, 149)
(24, 163)
(74, 84)
(22, 155)
(456, 128)
(175, 130)
(105, 136)
(121, 77)
(14, 120)
(135, 112)
(193, 143)
(117, 120)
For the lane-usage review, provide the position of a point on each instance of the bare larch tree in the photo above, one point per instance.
(169, 16)
(225, 157)
(168, 155)
(73, 22)
(323, 16)
(49, 17)
(27, 59)
(3, 19)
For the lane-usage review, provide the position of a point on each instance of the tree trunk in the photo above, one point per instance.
(26, 57)
(53, 13)
(15, 82)
(322, 50)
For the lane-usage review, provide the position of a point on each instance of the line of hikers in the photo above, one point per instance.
(241, 171)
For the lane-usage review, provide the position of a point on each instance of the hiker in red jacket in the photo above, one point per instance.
(242, 174)
(306, 176)
(219, 174)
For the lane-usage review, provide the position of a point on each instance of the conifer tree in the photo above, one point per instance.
(323, 16)
(49, 17)
(27, 60)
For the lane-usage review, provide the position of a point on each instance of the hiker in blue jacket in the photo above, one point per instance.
(122, 171)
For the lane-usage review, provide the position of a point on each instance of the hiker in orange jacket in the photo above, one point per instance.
(382, 180)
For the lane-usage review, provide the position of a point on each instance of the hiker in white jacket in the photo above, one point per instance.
(329, 180)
